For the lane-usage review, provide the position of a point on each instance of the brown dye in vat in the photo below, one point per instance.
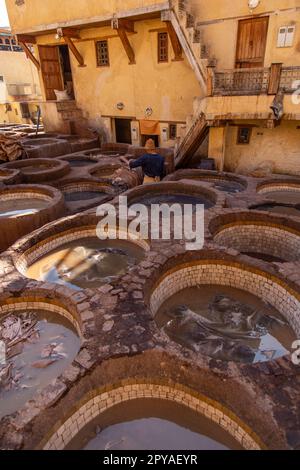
(284, 197)
(84, 196)
(17, 207)
(86, 263)
(279, 209)
(226, 324)
(35, 361)
(152, 424)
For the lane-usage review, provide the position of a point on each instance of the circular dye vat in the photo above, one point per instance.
(37, 170)
(283, 209)
(80, 162)
(105, 171)
(170, 199)
(18, 206)
(152, 424)
(84, 195)
(284, 197)
(229, 186)
(263, 256)
(86, 263)
(226, 324)
(39, 347)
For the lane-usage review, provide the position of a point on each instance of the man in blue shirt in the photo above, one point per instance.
(152, 163)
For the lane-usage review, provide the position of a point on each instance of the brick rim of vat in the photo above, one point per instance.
(35, 301)
(23, 261)
(55, 168)
(278, 185)
(176, 187)
(105, 398)
(82, 184)
(52, 195)
(213, 176)
(155, 300)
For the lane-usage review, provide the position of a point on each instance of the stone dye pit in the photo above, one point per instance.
(84, 193)
(80, 161)
(225, 324)
(152, 424)
(105, 171)
(226, 312)
(86, 263)
(282, 192)
(224, 182)
(24, 208)
(173, 193)
(288, 210)
(268, 238)
(39, 170)
(41, 342)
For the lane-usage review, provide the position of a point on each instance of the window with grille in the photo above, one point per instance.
(172, 131)
(102, 53)
(163, 47)
(244, 135)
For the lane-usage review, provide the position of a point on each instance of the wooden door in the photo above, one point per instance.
(123, 131)
(251, 43)
(51, 70)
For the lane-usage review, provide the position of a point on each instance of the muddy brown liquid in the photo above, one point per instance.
(36, 168)
(222, 185)
(279, 209)
(152, 424)
(87, 263)
(17, 207)
(284, 197)
(84, 196)
(52, 329)
(170, 199)
(226, 324)
(105, 173)
(81, 163)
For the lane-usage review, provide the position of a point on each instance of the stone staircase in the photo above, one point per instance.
(69, 111)
(191, 38)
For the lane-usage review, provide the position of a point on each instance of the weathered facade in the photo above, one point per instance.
(190, 68)
(19, 82)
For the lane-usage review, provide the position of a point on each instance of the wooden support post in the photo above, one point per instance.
(24, 40)
(174, 41)
(30, 55)
(122, 27)
(210, 80)
(74, 51)
(274, 79)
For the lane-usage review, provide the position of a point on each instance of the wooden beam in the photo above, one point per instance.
(74, 51)
(174, 41)
(70, 33)
(128, 25)
(29, 54)
(25, 38)
(122, 27)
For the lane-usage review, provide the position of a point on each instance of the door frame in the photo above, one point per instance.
(60, 68)
(239, 33)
